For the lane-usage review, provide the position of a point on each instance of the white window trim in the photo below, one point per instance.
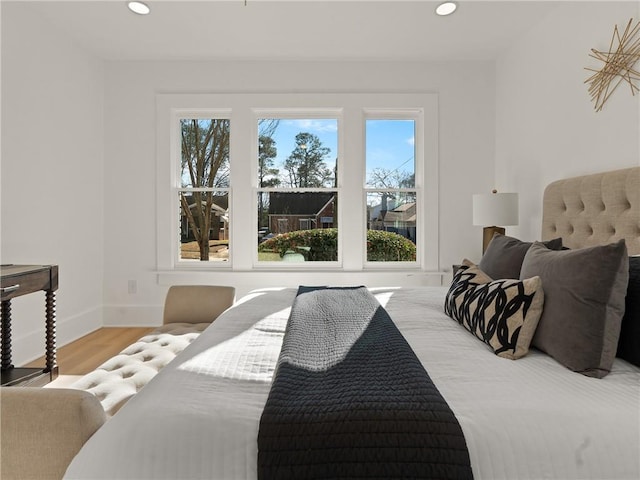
(243, 110)
(296, 114)
(417, 115)
(173, 208)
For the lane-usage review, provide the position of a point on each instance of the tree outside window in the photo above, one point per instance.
(204, 190)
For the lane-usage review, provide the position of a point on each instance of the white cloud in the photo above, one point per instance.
(313, 125)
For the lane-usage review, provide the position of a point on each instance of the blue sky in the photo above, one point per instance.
(389, 143)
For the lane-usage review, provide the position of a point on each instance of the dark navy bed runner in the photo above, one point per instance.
(350, 399)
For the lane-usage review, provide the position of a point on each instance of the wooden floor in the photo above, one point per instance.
(87, 353)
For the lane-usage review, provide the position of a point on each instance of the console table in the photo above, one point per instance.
(18, 280)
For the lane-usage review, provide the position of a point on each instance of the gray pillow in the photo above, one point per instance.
(629, 343)
(504, 255)
(584, 304)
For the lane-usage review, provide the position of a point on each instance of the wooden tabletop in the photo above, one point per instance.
(9, 270)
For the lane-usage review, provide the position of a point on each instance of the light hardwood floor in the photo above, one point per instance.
(87, 353)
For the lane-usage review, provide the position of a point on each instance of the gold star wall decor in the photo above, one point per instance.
(618, 65)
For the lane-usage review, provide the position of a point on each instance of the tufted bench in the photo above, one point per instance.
(121, 377)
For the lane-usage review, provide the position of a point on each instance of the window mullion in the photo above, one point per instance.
(244, 228)
(352, 207)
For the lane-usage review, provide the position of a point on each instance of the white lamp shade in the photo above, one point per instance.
(495, 209)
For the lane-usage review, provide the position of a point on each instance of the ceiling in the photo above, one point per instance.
(293, 30)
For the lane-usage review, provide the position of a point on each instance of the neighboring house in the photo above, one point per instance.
(400, 219)
(219, 219)
(300, 211)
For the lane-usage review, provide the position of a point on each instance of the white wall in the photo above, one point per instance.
(83, 194)
(52, 182)
(546, 126)
(466, 146)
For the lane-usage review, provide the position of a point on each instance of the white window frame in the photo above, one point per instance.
(243, 111)
(417, 115)
(299, 114)
(175, 181)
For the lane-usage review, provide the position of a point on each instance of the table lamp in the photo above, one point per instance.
(491, 209)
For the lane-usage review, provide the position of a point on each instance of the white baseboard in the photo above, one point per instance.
(29, 347)
(132, 315)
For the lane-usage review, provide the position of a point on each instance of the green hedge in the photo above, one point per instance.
(322, 245)
(389, 247)
(318, 245)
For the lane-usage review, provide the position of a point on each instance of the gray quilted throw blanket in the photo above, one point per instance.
(350, 399)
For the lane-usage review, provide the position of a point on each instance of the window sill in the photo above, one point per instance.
(258, 278)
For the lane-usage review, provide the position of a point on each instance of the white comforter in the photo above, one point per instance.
(525, 419)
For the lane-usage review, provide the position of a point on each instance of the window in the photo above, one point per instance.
(392, 198)
(203, 193)
(297, 190)
(239, 175)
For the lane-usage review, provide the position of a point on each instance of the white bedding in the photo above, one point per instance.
(525, 419)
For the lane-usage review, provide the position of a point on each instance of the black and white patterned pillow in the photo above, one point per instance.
(503, 313)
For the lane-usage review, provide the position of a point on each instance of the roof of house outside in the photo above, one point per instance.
(298, 203)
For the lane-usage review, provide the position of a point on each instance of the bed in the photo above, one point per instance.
(528, 418)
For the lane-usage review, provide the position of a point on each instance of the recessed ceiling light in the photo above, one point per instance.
(446, 8)
(139, 8)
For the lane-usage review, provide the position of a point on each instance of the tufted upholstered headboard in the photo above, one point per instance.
(594, 209)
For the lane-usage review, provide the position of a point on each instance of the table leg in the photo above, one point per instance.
(50, 330)
(5, 319)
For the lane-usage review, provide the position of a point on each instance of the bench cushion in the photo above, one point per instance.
(121, 377)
